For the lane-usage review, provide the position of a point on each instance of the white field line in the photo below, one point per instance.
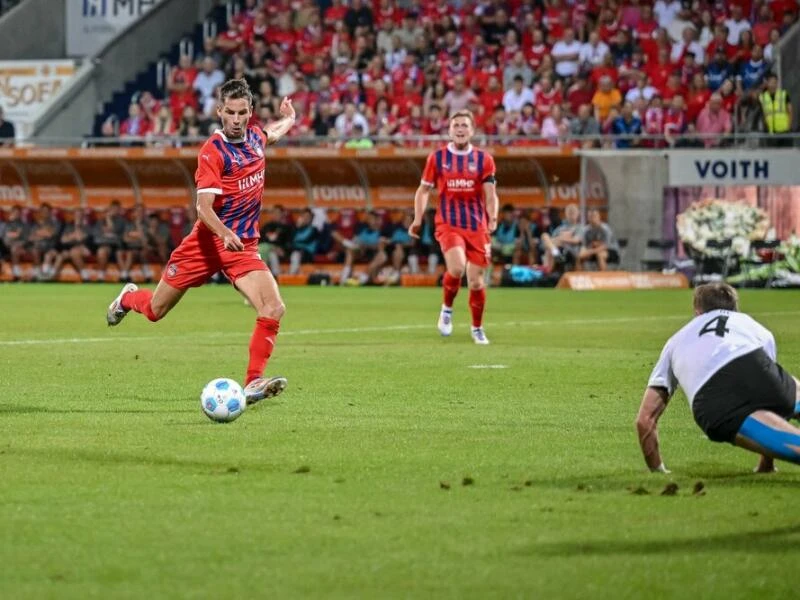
(376, 329)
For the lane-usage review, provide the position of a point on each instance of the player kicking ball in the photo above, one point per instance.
(467, 214)
(230, 184)
(726, 364)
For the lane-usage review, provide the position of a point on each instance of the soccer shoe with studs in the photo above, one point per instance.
(115, 312)
(445, 323)
(479, 336)
(264, 387)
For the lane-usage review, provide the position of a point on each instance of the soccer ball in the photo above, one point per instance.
(223, 400)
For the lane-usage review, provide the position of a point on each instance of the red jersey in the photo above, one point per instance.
(459, 177)
(234, 173)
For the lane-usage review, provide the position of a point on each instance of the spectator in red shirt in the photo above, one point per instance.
(579, 93)
(763, 25)
(233, 39)
(674, 120)
(745, 50)
(689, 69)
(729, 97)
(136, 124)
(546, 95)
(491, 96)
(435, 123)
(335, 13)
(606, 69)
(672, 88)
(163, 124)
(258, 29)
(721, 41)
(646, 28)
(697, 97)
(654, 122)
(182, 77)
(537, 50)
(408, 98)
(660, 71)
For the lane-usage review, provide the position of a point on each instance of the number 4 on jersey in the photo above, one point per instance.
(717, 326)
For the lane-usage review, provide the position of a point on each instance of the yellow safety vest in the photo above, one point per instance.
(775, 112)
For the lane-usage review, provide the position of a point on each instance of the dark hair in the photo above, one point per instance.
(233, 89)
(714, 296)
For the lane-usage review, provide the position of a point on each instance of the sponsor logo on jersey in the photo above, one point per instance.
(253, 180)
(460, 183)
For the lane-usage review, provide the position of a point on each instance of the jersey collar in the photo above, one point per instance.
(227, 139)
(452, 148)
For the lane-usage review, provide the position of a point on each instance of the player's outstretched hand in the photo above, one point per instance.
(413, 230)
(286, 109)
(492, 224)
(231, 241)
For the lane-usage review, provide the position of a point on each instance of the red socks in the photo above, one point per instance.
(139, 301)
(261, 345)
(477, 300)
(450, 286)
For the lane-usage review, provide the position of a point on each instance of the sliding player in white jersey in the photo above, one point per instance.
(725, 362)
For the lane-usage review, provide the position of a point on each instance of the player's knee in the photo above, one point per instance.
(272, 310)
(476, 284)
(456, 270)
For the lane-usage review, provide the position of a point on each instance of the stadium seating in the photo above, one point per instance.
(365, 52)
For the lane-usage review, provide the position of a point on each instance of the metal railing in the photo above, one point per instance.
(616, 142)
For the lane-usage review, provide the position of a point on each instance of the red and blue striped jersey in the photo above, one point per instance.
(234, 171)
(459, 177)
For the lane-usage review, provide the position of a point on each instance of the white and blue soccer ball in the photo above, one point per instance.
(223, 400)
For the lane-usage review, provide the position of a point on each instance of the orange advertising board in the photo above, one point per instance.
(528, 177)
(621, 280)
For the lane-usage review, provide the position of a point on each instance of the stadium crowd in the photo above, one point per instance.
(377, 241)
(532, 71)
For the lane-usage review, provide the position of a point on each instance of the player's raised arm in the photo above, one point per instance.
(653, 405)
(205, 212)
(281, 127)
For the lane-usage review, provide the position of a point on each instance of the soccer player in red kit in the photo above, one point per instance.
(466, 216)
(230, 183)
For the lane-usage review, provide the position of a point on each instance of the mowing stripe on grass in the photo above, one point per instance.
(376, 329)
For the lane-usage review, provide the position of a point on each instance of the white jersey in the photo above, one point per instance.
(705, 345)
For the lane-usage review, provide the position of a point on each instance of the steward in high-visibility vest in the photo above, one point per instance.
(776, 107)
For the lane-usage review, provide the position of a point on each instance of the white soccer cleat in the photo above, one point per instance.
(264, 387)
(115, 312)
(479, 336)
(445, 323)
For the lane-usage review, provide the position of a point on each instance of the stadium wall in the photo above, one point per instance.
(33, 30)
(634, 183)
(73, 113)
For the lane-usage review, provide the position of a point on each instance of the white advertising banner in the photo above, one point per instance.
(27, 85)
(734, 167)
(91, 24)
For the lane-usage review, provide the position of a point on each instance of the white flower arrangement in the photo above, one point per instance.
(713, 219)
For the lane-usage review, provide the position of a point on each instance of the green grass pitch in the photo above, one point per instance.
(392, 467)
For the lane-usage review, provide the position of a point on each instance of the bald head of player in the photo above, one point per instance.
(462, 128)
(234, 108)
(715, 296)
